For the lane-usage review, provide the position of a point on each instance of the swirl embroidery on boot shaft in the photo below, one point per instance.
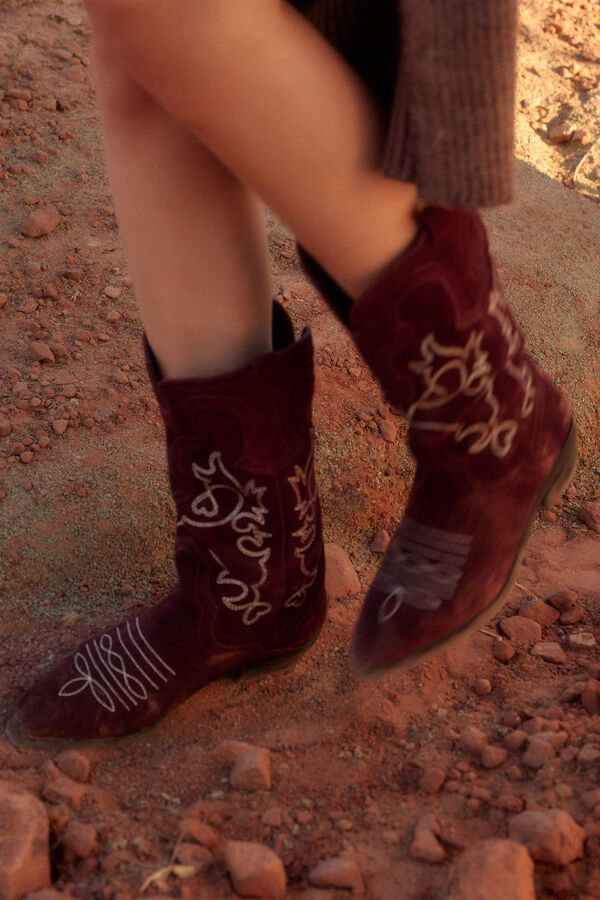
(467, 372)
(305, 489)
(246, 516)
(422, 568)
(104, 671)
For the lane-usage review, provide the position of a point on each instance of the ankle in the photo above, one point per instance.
(208, 356)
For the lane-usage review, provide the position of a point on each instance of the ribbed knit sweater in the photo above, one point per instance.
(444, 73)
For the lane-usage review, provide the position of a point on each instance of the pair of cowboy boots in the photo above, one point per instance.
(493, 440)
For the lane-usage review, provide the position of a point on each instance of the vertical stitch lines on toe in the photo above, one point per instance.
(103, 671)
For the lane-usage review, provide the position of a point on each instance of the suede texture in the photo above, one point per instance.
(492, 436)
(248, 550)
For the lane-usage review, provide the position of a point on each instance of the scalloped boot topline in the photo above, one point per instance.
(248, 549)
(494, 439)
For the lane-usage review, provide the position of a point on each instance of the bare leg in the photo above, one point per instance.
(194, 236)
(266, 93)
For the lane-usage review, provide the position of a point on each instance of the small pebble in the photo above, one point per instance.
(549, 651)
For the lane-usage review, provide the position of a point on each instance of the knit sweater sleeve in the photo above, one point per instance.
(452, 121)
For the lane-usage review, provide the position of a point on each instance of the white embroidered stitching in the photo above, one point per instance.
(252, 539)
(304, 487)
(422, 568)
(125, 687)
(470, 366)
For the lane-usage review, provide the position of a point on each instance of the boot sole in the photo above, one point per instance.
(549, 494)
(249, 672)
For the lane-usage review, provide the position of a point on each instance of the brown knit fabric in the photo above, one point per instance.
(443, 72)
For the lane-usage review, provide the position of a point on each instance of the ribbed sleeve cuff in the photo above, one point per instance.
(452, 125)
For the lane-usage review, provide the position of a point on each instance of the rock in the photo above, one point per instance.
(473, 739)
(503, 650)
(380, 542)
(340, 576)
(252, 770)
(583, 640)
(573, 615)
(521, 630)
(64, 790)
(200, 832)
(590, 697)
(388, 430)
(3, 300)
(428, 822)
(24, 845)
(549, 651)
(228, 751)
(588, 755)
(112, 291)
(586, 177)
(74, 764)
(590, 516)
(432, 779)
(59, 426)
(538, 752)
(562, 600)
(41, 221)
(492, 757)
(539, 611)
(560, 133)
(5, 426)
(256, 871)
(339, 872)
(79, 841)
(194, 855)
(41, 352)
(514, 740)
(427, 848)
(550, 835)
(483, 687)
(492, 870)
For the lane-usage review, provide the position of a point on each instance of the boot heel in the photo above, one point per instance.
(563, 470)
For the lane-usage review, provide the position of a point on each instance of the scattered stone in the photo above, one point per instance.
(432, 779)
(550, 835)
(521, 630)
(503, 650)
(590, 516)
(59, 426)
(24, 845)
(200, 832)
(540, 612)
(514, 740)
(428, 822)
(588, 755)
(3, 300)
(79, 841)
(228, 751)
(340, 576)
(256, 871)
(41, 221)
(473, 739)
(483, 687)
(74, 764)
(586, 177)
(64, 790)
(590, 697)
(427, 848)
(549, 651)
(573, 615)
(380, 542)
(41, 352)
(562, 600)
(272, 816)
(492, 870)
(252, 770)
(538, 752)
(388, 430)
(560, 133)
(492, 757)
(112, 292)
(583, 640)
(194, 855)
(339, 872)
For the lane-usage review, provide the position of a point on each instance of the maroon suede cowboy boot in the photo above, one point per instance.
(248, 549)
(493, 438)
